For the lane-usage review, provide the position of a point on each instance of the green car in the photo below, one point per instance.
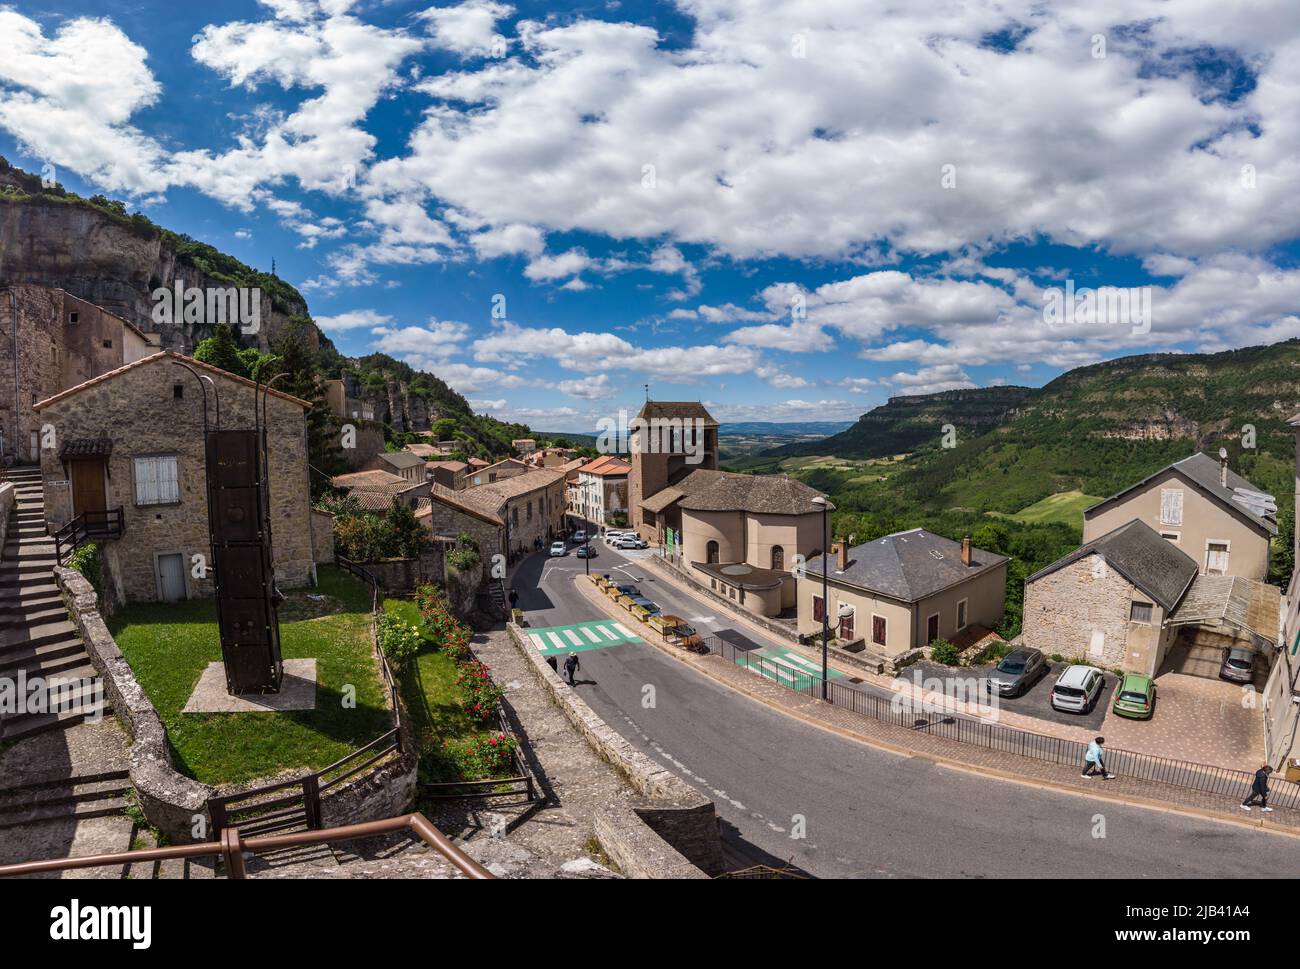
(1135, 697)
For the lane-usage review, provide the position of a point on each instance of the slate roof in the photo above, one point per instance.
(678, 409)
(1137, 552)
(1248, 607)
(907, 566)
(401, 459)
(707, 490)
(1203, 471)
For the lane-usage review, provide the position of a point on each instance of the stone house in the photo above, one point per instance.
(446, 517)
(1221, 520)
(1108, 601)
(449, 474)
(375, 489)
(903, 591)
(344, 407)
(492, 473)
(670, 440)
(132, 440)
(61, 341)
(527, 509)
(407, 466)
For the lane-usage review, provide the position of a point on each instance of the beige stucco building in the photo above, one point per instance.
(903, 591)
(1215, 516)
(132, 439)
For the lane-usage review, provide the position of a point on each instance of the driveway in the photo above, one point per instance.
(1035, 702)
(1196, 719)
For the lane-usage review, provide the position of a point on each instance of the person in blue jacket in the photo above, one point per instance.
(1094, 761)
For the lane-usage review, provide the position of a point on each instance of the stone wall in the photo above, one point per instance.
(683, 819)
(1064, 607)
(170, 801)
(142, 414)
(403, 575)
(322, 537)
(446, 520)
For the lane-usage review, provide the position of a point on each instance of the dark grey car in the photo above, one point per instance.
(1019, 670)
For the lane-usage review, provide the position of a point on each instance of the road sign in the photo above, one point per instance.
(785, 666)
(580, 637)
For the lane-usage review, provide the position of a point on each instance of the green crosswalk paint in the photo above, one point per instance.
(580, 637)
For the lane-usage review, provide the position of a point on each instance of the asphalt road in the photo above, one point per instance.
(864, 812)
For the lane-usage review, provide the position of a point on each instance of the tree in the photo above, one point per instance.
(222, 350)
(294, 356)
(409, 538)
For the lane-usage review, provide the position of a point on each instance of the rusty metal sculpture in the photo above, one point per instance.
(239, 525)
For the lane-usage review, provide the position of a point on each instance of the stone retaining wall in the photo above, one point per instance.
(173, 803)
(680, 823)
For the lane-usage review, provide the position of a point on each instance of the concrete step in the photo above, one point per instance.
(34, 616)
(15, 608)
(14, 658)
(68, 664)
(27, 725)
(62, 809)
(54, 631)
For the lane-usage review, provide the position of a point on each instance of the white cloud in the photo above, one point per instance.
(598, 387)
(467, 28)
(353, 320)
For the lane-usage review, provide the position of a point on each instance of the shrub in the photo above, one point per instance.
(86, 561)
(399, 641)
(482, 695)
(942, 651)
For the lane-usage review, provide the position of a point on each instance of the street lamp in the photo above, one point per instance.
(821, 502)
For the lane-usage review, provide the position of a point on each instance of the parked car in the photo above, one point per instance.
(580, 536)
(646, 604)
(1019, 670)
(629, 590)
(632, 541)
(586, 552)
(559, 548)
(613, 537)
(1077, 689)
(1135, 697)
(1238, 665)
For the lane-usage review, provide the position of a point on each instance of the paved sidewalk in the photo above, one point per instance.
(951, 752)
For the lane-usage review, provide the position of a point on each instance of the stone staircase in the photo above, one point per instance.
(36, 637)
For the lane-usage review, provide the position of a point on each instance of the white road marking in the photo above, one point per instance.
(573, 637)
(623, 629)
(537, 641)
(556, 640)
(606, 633)
(803, 661)
(590, 635)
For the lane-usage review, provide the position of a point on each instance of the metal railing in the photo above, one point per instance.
(87, 525)
(376, 610)
(909, 715)
(233, 845)
(519, 782)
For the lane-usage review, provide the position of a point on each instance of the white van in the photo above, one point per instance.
(1077, 689)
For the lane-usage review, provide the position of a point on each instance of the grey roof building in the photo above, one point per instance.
(907, 566)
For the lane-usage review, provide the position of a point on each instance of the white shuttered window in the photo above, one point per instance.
(156, 480)
(1171, 506)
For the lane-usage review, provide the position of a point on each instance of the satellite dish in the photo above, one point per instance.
(1223, 454)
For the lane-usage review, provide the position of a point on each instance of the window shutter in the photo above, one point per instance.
(168, 483)
(1171, 506)
(146, 481)
(819, 608)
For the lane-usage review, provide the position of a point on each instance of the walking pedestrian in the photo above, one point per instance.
(1094, 761)
(570, 667)
(1259, 790)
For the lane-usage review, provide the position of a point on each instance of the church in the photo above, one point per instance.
(737, 534)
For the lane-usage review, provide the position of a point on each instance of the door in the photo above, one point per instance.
(171, 577)
(932, 629)
(1097, 648)
(88, 487)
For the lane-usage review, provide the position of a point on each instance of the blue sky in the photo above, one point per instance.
(790, 210)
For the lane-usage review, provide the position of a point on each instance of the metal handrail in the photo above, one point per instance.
(231, 848)
(89, 524)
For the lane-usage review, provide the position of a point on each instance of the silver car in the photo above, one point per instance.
(1238, 666)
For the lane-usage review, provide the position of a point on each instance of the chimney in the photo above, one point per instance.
(841, 552)
(965, 551)
(1223, 467)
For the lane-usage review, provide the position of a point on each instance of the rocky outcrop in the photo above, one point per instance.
(112, 263)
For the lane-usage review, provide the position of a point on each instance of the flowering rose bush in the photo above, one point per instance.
(399, 641)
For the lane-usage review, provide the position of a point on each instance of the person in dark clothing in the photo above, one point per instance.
(570, 667)
(1259, 790)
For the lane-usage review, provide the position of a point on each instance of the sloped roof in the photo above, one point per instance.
(384, 482)
(1137, 552)
(489, 500)
(155, 358)
(452, 499)
(401, 459)
(707, 490)
(425, 451)
(676, 409)
(662, 499)
(1203, 471)
(606, 465)
(456, 466)
(1248, 607)
(907, 565)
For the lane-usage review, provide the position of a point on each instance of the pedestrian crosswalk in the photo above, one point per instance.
(580, 637)
(785, 666)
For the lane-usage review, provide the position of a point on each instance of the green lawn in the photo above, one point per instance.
(169, 645)
(1064, 506)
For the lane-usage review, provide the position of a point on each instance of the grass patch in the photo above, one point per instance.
(170, 644)
(1064, 506)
